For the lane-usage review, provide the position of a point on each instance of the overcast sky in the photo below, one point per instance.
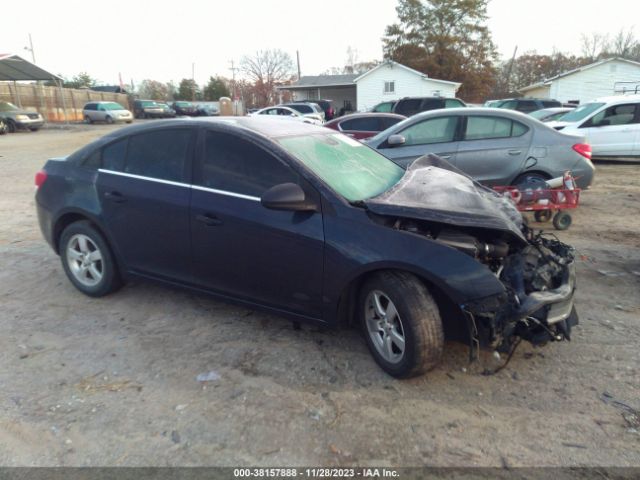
(161, 39)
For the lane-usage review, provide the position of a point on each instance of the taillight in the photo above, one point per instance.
(583, 149)
(41, 177)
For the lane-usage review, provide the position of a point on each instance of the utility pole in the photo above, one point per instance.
(298, 60)
(508, 79)
(234, 93)
(30, 48)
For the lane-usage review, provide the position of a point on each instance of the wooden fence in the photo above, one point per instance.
(54, 103)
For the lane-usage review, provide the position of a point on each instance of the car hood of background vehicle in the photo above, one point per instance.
(434, 190)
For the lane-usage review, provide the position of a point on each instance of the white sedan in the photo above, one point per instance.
(286, 112)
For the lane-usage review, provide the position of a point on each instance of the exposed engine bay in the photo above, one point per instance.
(536, 270)
(537, 278)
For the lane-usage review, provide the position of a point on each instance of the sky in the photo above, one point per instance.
(163, 40)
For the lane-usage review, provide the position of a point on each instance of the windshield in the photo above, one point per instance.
(581, 112)
(350, 168)
(540, 114)
(149, 103)
(6, 107)
(112, 106)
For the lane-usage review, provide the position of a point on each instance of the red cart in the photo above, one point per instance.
(545, 201)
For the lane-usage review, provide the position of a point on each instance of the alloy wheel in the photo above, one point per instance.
(384, 326)
(85, 260)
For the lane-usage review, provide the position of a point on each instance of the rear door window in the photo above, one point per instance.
(453, 103)
(431, 104)
(527, 106)
(433, 130)
(113, 155)
(367, 124)
(616, 115)
(235, 165)
(161, 154)
(483, 128)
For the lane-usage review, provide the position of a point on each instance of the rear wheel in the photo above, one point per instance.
(530, 180)
(34, 129)
(87, 119)
(401, 323)
(11, 126)
(542, 216)
(87, 260)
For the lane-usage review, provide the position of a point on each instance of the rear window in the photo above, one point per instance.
(302, 107)
(551, 104)
(408, 107)
(160, 154)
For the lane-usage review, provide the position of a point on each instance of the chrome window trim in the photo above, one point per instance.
(179, 184)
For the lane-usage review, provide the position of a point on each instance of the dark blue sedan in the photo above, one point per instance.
(310, 224)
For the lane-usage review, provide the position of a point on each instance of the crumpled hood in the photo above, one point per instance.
(434, 190)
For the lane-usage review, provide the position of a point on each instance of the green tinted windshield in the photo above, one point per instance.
(384, 107)
(112, 106)
(350, 168)
(149, 103)
(581, 112)
(7, 107)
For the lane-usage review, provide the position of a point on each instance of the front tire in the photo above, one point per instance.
(108, 119)
(87, 119)
(11, 126)
(87, 260)
(401, 323)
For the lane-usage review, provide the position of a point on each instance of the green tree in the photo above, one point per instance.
(445, 39)
(215, 89)
(82, 80)
(188, 90)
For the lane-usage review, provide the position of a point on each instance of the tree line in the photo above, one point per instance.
(445, 39)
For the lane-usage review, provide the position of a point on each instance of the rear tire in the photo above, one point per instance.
(542, 216)
(34, 129)
(87, 260)
(87, 119)
(401, 323)
(531, 180)
(11, 126)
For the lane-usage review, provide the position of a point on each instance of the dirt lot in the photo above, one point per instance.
(113, 381)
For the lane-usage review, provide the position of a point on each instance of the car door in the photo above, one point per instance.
(493, 149)
(614, 131)
(242, 249)
(145, 200)
(435, 135)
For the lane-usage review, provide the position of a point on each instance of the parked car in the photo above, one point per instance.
(286, 112)
(310, 224)
(185, 108)
(494, 146)
(108, 112)
(16, 118)
(411, 105)
(207, 110)
(312, 110)
(364, 125)
(526, 105)
(167, 111)
(309, 110)
(550, 114)
(148, 109)
(610, 124)
(384, 107)
(325, 105)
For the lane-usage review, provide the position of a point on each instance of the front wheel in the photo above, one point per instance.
(87, 260)
(109, 120)
(401, 323)
(87, 119)
(562, 221)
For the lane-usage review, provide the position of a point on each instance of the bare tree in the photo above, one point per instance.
(266, 69)
(624, 43)
(594, 45)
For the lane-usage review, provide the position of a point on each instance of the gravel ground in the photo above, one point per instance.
(113, 381)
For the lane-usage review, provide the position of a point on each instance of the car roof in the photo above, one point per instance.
(617, 99)
(353, 116)
(263, 125)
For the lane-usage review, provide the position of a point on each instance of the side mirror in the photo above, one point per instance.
(395, 140)
(287, 196)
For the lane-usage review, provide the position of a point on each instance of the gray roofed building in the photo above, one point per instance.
(322, 81)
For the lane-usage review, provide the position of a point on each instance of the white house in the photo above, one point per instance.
(388, 81)
(599, 79)
(391, 80)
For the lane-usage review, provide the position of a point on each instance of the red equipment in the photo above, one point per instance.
(544, 201)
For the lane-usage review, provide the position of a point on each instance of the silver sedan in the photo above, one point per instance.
(494, 146)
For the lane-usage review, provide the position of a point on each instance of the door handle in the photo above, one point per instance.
(515, 152)
(208, 219)
(115, 197)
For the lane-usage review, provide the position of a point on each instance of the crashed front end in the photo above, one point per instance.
(537, 271)
(538, 302)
